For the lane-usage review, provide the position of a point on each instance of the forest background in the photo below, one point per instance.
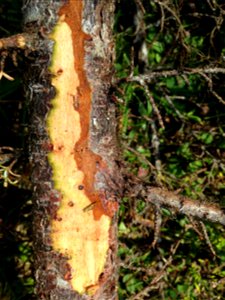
(169, 89)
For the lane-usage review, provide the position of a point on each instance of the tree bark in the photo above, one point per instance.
(73, 147)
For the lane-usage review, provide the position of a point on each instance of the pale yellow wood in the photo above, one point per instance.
(75, 233)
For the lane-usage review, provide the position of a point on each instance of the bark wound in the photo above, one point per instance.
(73, 151)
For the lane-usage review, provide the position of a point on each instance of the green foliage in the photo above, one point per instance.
(186, 154)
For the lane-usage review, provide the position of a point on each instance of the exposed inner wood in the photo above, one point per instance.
(81, 234)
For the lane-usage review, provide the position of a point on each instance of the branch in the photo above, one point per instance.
(23, 41)
(149, 76)
(18, 41)
(187, 206)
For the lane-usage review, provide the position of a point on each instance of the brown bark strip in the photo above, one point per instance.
(98, 20)
(187, 206)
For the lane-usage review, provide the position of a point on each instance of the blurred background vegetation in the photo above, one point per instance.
(169, 87)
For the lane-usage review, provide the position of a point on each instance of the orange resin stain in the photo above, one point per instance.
(82, 235)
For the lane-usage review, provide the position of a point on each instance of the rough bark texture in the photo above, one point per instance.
(94, 152)
(184, 205)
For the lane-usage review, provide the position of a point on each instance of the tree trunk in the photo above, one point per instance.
(73, 148)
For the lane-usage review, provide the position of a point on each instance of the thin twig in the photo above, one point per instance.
(168, 98)
(173, 250)
(156, 152)
(140, 5)
(207, 239)
(157, 225)
(200, 228)
(210, 84)
(142, 82)
(151, 76)
(155, 283)
(139, 155)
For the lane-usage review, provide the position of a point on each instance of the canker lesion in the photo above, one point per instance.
(83, 236)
